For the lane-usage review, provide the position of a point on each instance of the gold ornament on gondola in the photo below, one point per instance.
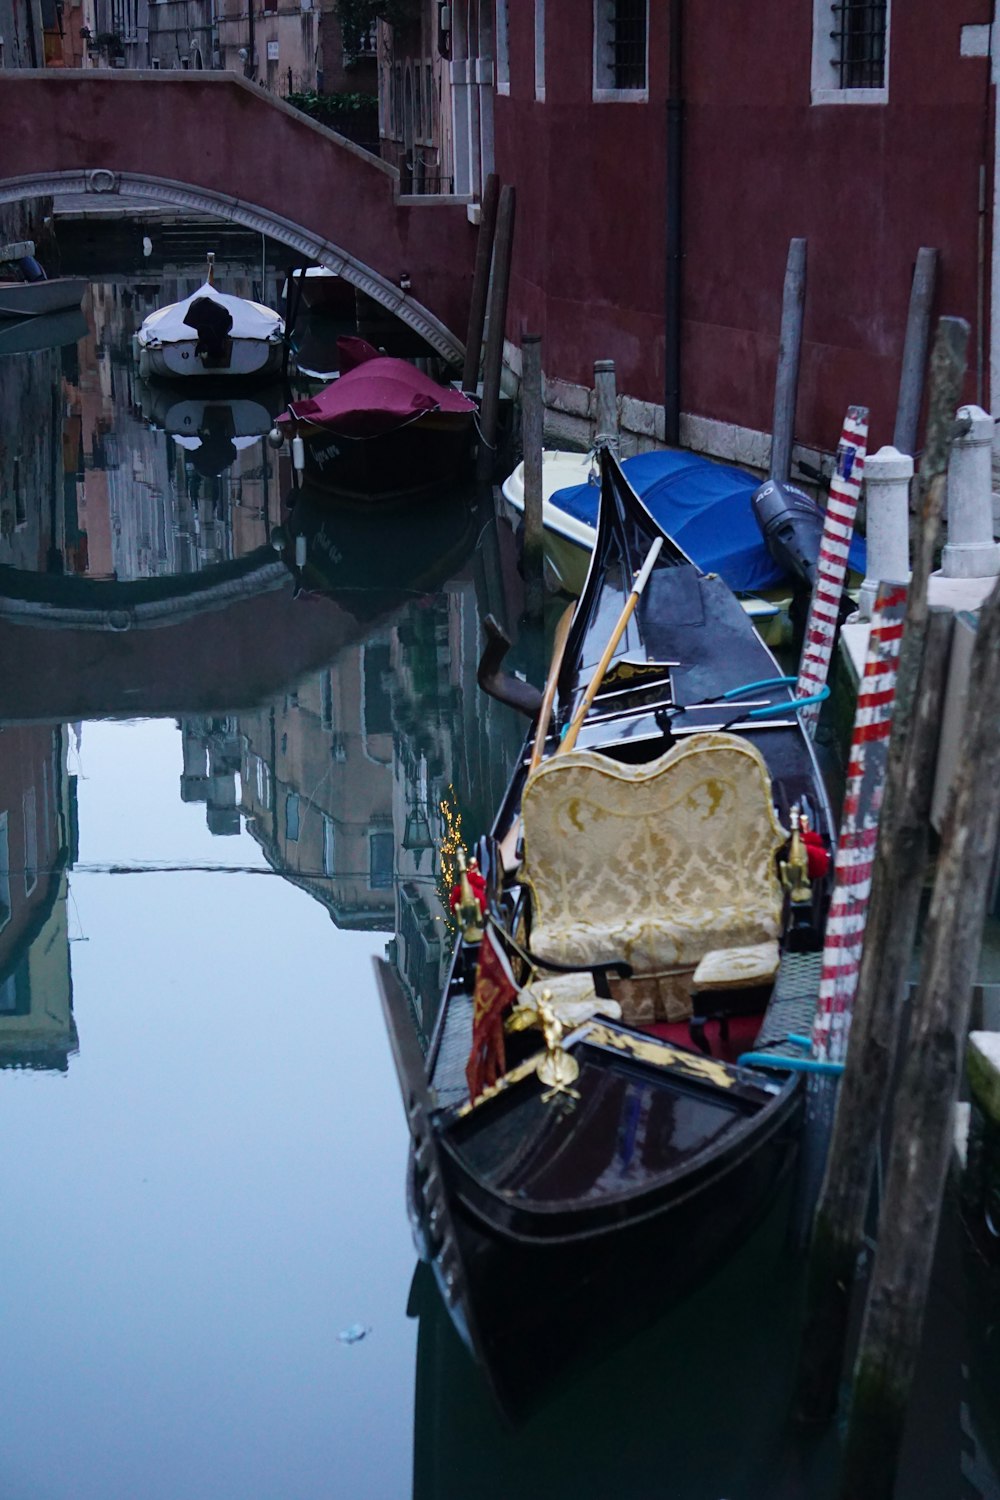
(794, 870)
(469, 908)
(557, 1068)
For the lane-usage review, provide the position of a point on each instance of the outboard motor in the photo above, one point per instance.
(791, 523)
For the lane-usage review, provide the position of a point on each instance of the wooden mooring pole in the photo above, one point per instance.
(918, 327)
(606, 433)
(928, 1090)
(480, 284)
(532, 435)
(493, 355)
(786, 380)
(897, 881)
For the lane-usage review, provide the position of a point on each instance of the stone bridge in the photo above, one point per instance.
(217, 144)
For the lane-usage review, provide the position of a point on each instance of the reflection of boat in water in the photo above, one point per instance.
(609, 1155)
(383, 430)
(644, 1420)
(343, 552)
(212, 428)
(27, 335)
(208, 335)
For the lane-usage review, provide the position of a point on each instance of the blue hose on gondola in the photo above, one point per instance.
(788, 1064)
(792, 1064)
(795, 706)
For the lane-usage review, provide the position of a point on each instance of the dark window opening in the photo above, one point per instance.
(626, 41)
(859, 43)
(382, 848)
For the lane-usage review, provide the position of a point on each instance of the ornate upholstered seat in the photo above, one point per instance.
(659, 864)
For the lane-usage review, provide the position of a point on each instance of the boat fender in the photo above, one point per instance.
(298, 454)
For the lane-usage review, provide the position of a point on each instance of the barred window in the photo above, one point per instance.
(620, 34)
(502, 45)
(850, 62)
(859, 44)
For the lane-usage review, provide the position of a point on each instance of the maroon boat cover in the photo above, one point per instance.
(377, 396)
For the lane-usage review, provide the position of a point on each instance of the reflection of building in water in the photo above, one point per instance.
(341, 781)
(454, 748)
(30, 461)
(37, 846)
(312, 775)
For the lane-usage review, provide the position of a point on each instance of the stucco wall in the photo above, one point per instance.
(866, 184)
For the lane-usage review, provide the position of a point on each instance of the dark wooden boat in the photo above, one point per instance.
(614, 1164)
(383, 431)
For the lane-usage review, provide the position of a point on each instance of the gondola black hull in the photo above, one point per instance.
(564, 1207)
(535, 1312)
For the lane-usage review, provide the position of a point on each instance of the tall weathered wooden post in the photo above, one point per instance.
(786, 381)
(493, 356)
(897, 881)
(918, 327)
(480, 283)
(928, 1089)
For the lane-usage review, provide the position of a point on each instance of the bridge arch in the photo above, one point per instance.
(238, 153)
(160, 190)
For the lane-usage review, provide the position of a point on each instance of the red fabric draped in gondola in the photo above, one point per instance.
(495, 992)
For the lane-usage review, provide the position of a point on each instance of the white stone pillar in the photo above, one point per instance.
(887, 492)
(971, 551)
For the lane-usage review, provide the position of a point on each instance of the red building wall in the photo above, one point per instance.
(867, 185)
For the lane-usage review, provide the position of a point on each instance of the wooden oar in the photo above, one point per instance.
(570, 737)
(508, 844)
(549, 696)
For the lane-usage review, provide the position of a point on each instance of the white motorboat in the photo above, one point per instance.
(210, 334)
(26, 291)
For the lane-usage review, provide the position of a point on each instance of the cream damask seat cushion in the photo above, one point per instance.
(658, 864)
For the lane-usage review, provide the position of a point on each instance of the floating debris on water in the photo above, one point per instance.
(354, 1334)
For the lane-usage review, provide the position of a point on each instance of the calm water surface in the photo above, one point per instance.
(209, 827)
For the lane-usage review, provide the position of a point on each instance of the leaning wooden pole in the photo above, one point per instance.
(532, 425)
(918, 327)
(480, 284)
(493, 356)
(928, 1090)
(896, 885)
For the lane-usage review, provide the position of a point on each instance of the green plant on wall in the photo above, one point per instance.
(357, 16)
(317, 105)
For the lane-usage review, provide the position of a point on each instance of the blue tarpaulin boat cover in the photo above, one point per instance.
(706, 508)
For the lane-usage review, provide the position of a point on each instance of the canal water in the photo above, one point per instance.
(233, 772)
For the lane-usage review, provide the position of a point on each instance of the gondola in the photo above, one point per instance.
(671, 866)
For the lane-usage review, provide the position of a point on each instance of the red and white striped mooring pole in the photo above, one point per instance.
(855, 860)
(831, 568)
